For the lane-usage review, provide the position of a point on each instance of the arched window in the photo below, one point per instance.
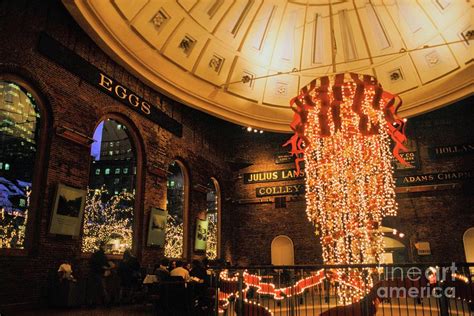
(213, 212)
(108, 215)
(19, 140)
(176, 196)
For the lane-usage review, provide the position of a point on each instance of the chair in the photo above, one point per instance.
(173, 298)
(64, 293)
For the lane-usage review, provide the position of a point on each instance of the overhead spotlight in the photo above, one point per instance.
(401, 235)
(261, 132)
(405, 120)
(255, 130)
(394, 231)
(249, 129)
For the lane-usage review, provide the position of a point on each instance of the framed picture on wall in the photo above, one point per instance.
(200, 241)
(157, 227)
(68, 211)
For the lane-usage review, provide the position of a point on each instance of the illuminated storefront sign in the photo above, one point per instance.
(272, 176)
(281, 190)
(452, 150)
(411, 157)
(434, 178)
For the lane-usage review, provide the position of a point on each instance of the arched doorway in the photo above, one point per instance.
(283, 251)
(394, 249)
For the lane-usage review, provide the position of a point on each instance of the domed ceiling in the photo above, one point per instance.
(243, 60)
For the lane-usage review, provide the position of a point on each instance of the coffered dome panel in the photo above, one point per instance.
(244, 60)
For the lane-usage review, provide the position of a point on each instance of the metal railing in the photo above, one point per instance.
(304, 290)
(307, 290)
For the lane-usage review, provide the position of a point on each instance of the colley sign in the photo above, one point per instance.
(106, 83)
(294, 189)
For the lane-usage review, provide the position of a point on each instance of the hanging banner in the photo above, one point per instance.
(157, 227)
(200, 241)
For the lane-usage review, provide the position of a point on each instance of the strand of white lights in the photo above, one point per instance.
(106, 218)
(252, 280)
(13, 225)
(211, 246)
(349, 175)
(250, 129)
(174, 237)
(281, 293)
(460, 277)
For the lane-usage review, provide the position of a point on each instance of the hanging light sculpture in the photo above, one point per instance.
(343, 126)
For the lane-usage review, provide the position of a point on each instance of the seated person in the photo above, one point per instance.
(198, 273)
(65, 271)
(129, 277)
(128, 270)
(180, 271)
(162, 272)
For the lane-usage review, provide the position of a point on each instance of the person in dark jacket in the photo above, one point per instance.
(161, 272)
(99, 265)
(198, 271)
(129, 273)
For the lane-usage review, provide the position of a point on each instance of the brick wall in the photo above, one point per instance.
(439, 216)
(259, 223)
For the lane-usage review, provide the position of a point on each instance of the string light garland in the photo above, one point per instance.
(299, 287)
(229, 286)
(13, 224)
(211, 245)
(108, 218)
(343, 126)
(460, 277)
